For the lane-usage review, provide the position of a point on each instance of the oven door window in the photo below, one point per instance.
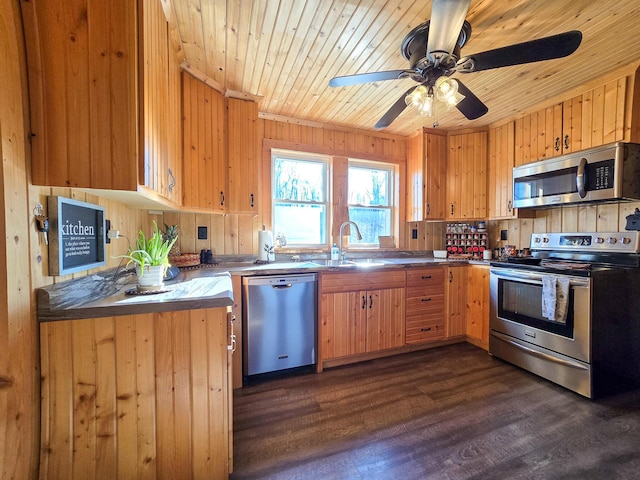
(521, 302)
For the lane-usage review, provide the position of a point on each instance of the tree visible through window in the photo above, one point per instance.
(300, 192)
(370, 200)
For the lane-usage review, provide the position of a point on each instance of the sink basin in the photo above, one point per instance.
(359, 262)
(369, 262)
(334, 263)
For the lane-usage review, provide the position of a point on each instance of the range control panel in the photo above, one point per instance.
(618, 242)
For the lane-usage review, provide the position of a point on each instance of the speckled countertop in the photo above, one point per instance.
(105, 293)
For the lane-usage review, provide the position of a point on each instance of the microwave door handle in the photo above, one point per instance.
(580, 179)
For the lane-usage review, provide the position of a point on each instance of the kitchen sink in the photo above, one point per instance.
(359, 262)
(334, 263)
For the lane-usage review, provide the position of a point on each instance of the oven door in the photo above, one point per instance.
(516, 311)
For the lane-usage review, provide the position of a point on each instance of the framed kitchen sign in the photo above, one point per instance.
(76, 236)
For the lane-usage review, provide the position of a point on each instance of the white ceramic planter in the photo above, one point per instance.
(151, 278)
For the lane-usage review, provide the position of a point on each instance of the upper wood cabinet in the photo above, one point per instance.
(594, 118)
(467, 176)
(501, 158)
(204, 146)
(244, 156)
(426, 176)
(104, 88)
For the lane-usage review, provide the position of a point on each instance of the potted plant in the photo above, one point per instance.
(151, 257)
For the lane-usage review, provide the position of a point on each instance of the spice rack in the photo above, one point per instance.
(464, 240)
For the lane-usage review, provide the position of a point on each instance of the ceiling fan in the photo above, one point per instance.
(433, 52)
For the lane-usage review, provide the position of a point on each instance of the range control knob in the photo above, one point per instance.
(536, 240)
(611, 240)
(599, 240)
(626, 240)
(545, 240)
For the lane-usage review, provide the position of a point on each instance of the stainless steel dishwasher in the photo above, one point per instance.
(279, 322)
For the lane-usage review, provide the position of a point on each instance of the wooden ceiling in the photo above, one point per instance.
(285, 52)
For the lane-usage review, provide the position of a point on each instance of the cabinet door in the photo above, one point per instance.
(603, 114)
(385, 319)
(426, 177)
(414, 195)
(478, 304)
(467, 176)
(244, 156)
(501, 158)
(343, 318)
(204, 146)
(456, 294)
(435, 176)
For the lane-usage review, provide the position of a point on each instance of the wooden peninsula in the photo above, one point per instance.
(136, 386)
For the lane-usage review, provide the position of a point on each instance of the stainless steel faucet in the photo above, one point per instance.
(344, 224)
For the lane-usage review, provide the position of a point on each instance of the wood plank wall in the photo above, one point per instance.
(19, 373)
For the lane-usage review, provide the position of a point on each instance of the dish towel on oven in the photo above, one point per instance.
(555, 297)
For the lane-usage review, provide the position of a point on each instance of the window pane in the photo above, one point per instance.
(301, 223)
(368, 186)
(372, 222)
(301, 180)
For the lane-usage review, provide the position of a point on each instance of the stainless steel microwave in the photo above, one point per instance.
(607, 173)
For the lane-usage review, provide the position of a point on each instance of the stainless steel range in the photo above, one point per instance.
(570, 312)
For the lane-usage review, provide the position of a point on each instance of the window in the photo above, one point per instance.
(300, 189)
(371, 193)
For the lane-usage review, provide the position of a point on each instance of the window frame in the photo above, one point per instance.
(392, 197)
(327, 183)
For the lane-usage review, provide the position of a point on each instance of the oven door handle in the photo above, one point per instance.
(536, 353)
(534, 278)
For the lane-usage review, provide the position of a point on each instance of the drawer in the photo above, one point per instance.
(419, 329)
(350, 282)
(425, 277)
(425, 290)
(427, 303)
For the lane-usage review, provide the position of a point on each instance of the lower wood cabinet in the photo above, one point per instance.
(478, 305)
(426, 320)
(456, 291)
(354, 320)
(137, 396)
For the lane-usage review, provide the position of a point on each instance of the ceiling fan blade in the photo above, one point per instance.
(548, 48)
(470, 106)
(447, 18)
(395, 110)
(369, 77)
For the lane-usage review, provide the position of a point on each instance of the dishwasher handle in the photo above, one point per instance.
(281, 287)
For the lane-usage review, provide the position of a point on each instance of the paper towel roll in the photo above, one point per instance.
(265, 237)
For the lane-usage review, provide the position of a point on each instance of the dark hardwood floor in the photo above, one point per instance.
(448, 413)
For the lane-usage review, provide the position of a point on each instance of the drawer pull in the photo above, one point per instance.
(425, 329)
(425, 299)
(426, 277)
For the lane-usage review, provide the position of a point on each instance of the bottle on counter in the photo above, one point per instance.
(335, 253)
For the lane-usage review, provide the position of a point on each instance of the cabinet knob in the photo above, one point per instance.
(222, 199)
(556, 144)
(364, 302)
(566, 142)
(426, 277)
(425, 299)
(252, 202)
(428, 209)
(370, 301)
(425, 329)
(452, 209)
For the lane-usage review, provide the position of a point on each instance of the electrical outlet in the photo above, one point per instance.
(414, 234)
(503, 234)
(202, 233)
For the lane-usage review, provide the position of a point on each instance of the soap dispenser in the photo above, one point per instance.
(335, 253)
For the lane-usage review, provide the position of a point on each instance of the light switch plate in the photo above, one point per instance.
(202, 233)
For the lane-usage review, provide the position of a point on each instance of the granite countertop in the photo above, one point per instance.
(100, 295)
(105, 293)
